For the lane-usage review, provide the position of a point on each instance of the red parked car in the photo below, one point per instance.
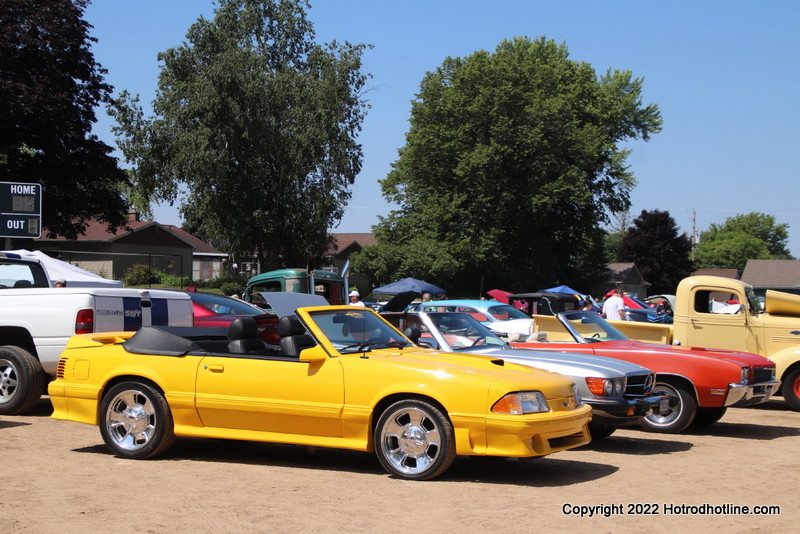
(707, 381)
(218, 310)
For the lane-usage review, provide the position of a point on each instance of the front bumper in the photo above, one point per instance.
(535, 434)
(747, 394)
(627, 412)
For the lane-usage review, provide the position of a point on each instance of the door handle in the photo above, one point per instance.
(215, 368)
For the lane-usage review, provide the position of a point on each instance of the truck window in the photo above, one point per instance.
(706, 301)
(266, 287)
(22, 275)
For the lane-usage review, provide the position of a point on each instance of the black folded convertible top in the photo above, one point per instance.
(170, 341)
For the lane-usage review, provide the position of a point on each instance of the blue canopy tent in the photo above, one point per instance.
(408, 284)
(561, 289)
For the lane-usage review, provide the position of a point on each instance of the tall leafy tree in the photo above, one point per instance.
(257, 124)
(661, 254)
(511, 164)
(743, 237)
(50, 85)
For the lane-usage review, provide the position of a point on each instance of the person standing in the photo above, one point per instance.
(355, 299)
(614, 306)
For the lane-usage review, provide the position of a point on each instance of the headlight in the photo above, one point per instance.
(745, 375)
(521, 402)
(606, 387)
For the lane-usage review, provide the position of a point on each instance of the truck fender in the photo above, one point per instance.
(785, 359)
(19, 337)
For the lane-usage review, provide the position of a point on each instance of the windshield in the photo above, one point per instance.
(752, 301)
(589, 327)
(505, 312)
(358, 330)
(462, 333)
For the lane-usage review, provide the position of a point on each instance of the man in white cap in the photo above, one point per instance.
(61, 283)
(354, 299)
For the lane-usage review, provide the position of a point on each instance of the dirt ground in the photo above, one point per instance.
(58, 477)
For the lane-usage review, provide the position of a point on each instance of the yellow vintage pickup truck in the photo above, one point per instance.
(773, 331)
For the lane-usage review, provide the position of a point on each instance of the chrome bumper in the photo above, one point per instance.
(746, 394)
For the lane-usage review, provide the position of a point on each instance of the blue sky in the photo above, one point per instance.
(725, 74)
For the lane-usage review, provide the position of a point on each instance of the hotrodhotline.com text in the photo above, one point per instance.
(608, 510)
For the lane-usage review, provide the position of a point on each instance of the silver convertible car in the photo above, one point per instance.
(619, 392)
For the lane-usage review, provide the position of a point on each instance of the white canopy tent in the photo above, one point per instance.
(61, 270)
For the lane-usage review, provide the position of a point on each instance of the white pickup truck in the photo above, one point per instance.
(37, 320)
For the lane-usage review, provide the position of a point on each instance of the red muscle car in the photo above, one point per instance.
(707, 381)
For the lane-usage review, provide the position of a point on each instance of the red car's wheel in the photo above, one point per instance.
(678, 417)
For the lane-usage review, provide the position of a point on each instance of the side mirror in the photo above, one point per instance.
(313, 354)
(413, 334)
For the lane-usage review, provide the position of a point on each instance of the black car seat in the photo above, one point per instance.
(242, 337)
(293, 336)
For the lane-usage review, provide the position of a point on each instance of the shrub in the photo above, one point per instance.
(139, 275)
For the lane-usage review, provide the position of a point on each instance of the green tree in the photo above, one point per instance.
(614, 235)
(50, 85)
(659, 252)
(254, 127)
(510, 166)
(743, 237)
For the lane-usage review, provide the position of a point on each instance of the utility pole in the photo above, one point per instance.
(694, 232)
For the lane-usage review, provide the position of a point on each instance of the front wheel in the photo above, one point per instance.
(676, 418)
(599, 431)
(22, 380)
(709, 416)
(135, 421)
(414, 440)
(790, 389)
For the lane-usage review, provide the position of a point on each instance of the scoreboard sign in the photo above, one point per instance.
(20, 210)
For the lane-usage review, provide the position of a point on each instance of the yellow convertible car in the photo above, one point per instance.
(341, 377)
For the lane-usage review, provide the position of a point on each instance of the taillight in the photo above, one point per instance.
(84, 322)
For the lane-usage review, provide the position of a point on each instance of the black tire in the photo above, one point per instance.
(135, 421)
(414, 440)
(599, 432)
(790, 389)
(680, 416)
(708, 416)
(22, 380)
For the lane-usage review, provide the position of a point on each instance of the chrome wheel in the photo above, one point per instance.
(676, 418)
(136, 421)
(8, 381)
(131, 420)
(414, 440)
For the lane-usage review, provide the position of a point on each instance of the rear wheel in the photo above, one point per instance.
(22, 380)
(135, 421)
(790, 389)
(709, 416)
(414, 440)
(676, 418)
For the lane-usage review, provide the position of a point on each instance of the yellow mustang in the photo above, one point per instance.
(341, 377)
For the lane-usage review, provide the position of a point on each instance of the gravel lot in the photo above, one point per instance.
(60, 478)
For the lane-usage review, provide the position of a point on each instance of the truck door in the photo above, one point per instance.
(712, 321)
